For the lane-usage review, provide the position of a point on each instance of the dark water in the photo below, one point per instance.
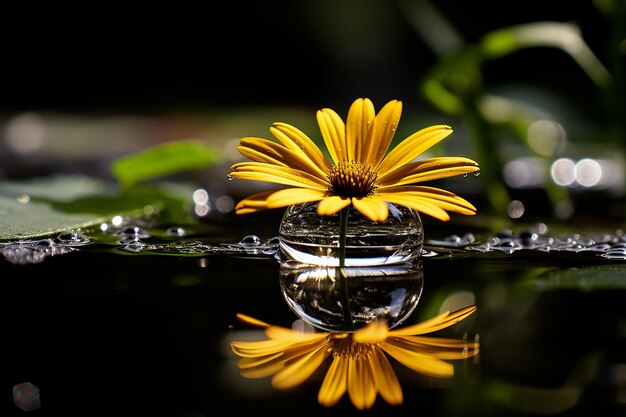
(145, 330)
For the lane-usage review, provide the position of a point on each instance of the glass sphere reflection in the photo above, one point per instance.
(322, 296)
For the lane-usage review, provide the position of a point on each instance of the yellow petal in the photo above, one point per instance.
(289, 196)
(297, 372)
(420, 205)
(375, 331)
(361, 385)
(263, 371)
(383, 129)
(374, 209)
(308, 146)
(261, 367)
(258, 156)
(412, 147)
(271, 364)
(333, 131)
(301, 145)
(284, 178)
(248, 210)
(441, 342)
(255, 202)
(264, 150)
(443, 320)
(442, 199)
(386, 380)
(261, 201)
(428, 170)
(335, 382)
(259, 361)
(360, 118)
(461, 349)
(331, 205)
(284, 333)
(419, 362)
(246, 170)
(430, 193)
(252, 349)
(251, 320)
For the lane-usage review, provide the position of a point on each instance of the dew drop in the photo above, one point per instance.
(476, 173)
(175, 232)
(229, 177)
(273, 241)
(250, 240)
(44, 244)
(134, 247)
(132, 233)
(72, 239)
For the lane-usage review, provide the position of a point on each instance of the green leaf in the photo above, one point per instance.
(33, 208)
(38, 219)
(161, 160)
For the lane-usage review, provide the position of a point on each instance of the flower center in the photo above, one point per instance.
(352, 179)
(349, 349)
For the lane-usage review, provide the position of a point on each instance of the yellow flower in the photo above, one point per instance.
(361, 172)
(359, 365)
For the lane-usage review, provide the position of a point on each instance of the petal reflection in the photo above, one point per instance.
(360, 366)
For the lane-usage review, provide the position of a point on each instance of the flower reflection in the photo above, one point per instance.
(359, 363)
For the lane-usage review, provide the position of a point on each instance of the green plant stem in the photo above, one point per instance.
(343, 276)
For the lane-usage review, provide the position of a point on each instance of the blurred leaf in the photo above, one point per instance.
(161, 160)
(51, 205)
(564, 36)
(57, 187)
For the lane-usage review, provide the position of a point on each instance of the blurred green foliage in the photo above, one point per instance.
(162, 160)
(456, 85)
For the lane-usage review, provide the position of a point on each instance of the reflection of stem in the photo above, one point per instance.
(343, 276)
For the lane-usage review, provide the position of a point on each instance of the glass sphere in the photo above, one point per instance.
(307, 237)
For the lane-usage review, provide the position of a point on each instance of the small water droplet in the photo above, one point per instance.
(73, 239)
(229, 177)
(44, 244)
(134, 247)
(250, 240)
(273, 241)
(464, 175)
(476, 173)
(132, 233)
(23, 198)
(175, 231)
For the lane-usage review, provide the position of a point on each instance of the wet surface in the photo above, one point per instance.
(137, 320)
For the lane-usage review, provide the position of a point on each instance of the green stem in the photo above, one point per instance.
(343, 276)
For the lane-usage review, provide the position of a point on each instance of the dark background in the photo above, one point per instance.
(139, 56)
